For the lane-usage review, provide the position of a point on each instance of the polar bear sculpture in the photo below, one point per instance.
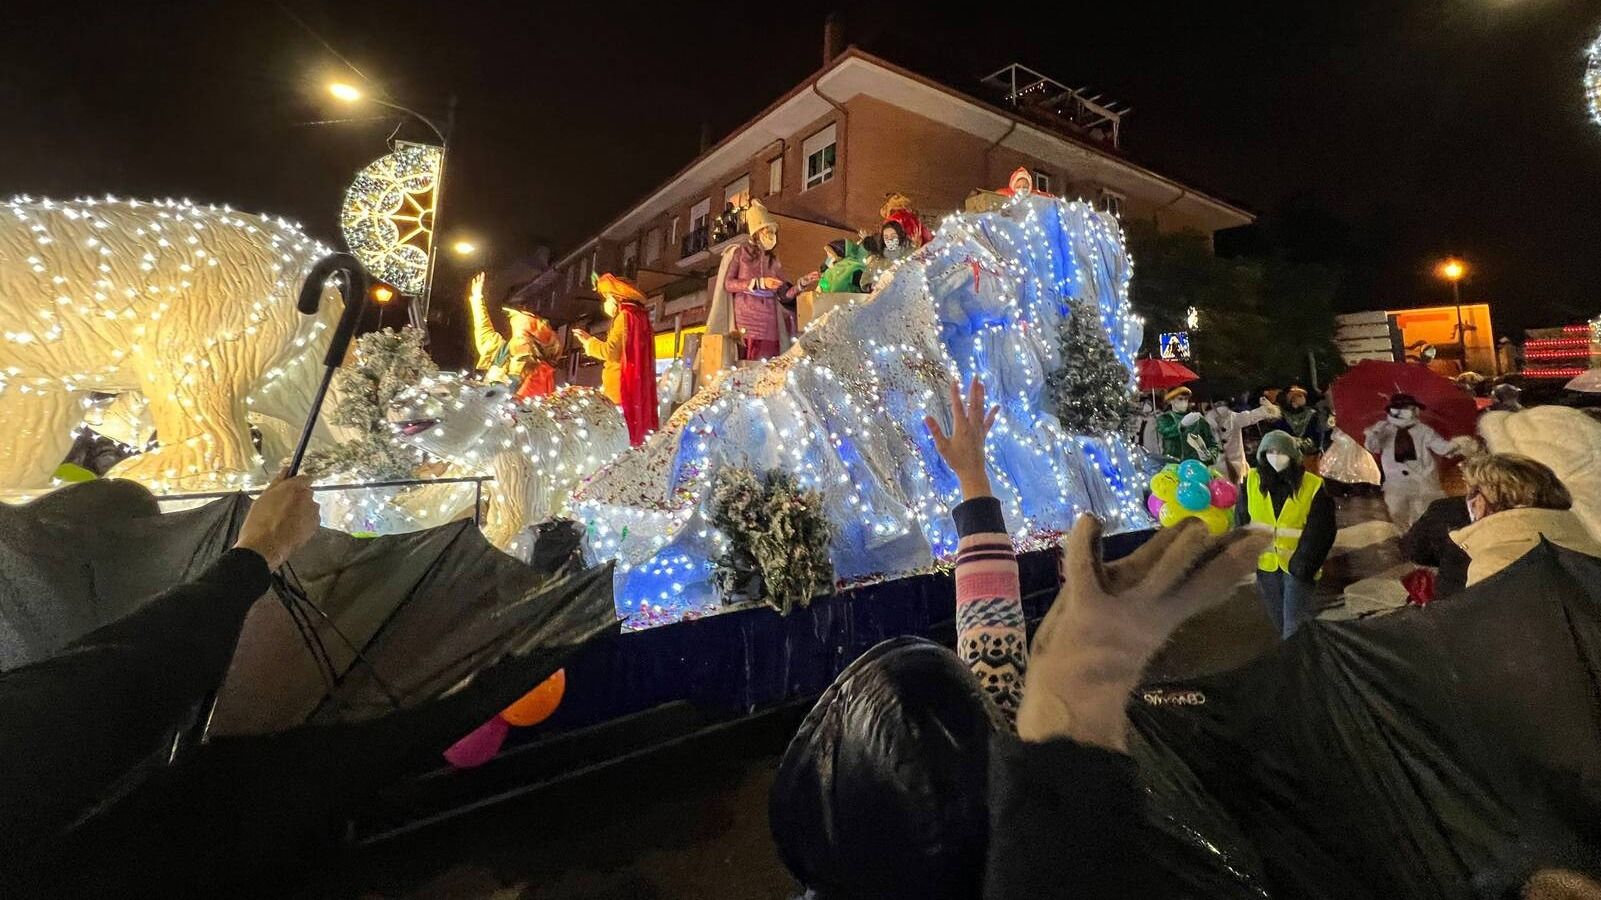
(193, 307)
(538, 449)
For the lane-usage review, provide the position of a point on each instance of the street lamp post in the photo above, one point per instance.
(1453, 270)
(348, 93)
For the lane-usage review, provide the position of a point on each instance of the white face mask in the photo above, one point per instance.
(1404, 416)
(1181, 406)
(767, 238)
(892, 243)
(1279, 461)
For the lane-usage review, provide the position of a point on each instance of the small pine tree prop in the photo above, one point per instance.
(1089, 393)
(386, 363)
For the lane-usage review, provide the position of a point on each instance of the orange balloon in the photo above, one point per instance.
(538, 704)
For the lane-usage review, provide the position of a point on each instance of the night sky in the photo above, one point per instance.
(1454, 126)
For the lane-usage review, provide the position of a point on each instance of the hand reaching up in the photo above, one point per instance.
(1110, 619)
(475, 288)
(963, 448)
(281, 520)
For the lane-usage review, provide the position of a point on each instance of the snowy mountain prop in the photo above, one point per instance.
(843, 411)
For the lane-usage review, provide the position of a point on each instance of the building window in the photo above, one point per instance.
(775, 175)
(699, 214)
(1111, 203)
(1042, 181)
(653, 245)
(738, 192)
(630, 259)
(568, 278)
(672, 231)
(819, 151)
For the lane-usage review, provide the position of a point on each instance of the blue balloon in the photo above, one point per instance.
(1194, 470)
(1194, 496)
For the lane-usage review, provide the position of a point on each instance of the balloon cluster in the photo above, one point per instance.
(1186, 489)
(483, 743)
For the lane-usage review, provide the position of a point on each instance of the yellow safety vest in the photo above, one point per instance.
(1287, 525)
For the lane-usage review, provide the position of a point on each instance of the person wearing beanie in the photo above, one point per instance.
(1506, 398)
(1406, 449)
(1303, 422)
(1185, 432)
(1289, 503)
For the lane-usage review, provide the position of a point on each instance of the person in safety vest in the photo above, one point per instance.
(1288, 502)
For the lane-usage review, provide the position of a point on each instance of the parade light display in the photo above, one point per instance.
(843, 414)
(188, 305)
(1592, 80)
(388, 215)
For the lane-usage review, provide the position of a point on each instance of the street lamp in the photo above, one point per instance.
(349, 93)
(1454, 270)
(464, 248)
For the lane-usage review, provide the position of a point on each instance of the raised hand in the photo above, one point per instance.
(963, 448)
(281, 520)
(475, 287)
(1109, 620)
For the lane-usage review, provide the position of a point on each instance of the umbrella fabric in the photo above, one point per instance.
(1589, 382)
(1161, 374)
(1362, 394)
(1433, 752)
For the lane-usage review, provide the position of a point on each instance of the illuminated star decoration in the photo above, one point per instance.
(388, 216)
(1592, 81)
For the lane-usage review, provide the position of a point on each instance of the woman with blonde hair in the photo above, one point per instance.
(1514, 502)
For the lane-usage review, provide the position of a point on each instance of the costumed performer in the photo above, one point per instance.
(1229, 427)
(751, 294)
(1021, 182)
(524, 359)
(897, 208)
(1285, 500)
(628, 354)
(1406, 449)
(842, 267)
(1303, 422)
(1184, 432)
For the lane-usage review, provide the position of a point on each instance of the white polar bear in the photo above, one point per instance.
(538, 449)
(193, 307)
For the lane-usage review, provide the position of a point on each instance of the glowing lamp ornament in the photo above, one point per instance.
(388, 215)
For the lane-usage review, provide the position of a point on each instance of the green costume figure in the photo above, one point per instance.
(1303, 422)
(842, 273)
(1185, 433)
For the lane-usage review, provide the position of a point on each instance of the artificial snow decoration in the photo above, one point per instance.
(778, 540)
(388, 216)
(192, 307)
(537, 449)
(842, 412)
(1090, 391)
(386, 364)
(1592, 80)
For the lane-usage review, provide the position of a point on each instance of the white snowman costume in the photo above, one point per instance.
(1410, 485)
(1229, 427)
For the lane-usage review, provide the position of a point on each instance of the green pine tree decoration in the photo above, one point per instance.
(386, 363)
(1090, 392)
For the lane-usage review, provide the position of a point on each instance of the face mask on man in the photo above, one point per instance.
(1279, 461)
(1404, 416)
(1181, 406)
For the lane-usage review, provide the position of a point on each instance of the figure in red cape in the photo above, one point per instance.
(1021, 182)
(897, 208)
(628, 355)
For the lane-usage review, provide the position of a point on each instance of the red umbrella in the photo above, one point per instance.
(1362, 394)
(1161, 374)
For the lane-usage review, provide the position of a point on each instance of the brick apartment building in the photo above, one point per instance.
(824, 156)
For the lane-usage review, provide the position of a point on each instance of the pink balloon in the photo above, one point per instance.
(1224, 493)
(479, 746)
(1154, 504)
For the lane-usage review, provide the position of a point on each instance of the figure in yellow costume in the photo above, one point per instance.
(628, 353)
(525, 359)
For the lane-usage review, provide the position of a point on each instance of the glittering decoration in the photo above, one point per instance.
(186, 312)
(1592, 80)
(842, 412)
(388, 216)
(538, 449)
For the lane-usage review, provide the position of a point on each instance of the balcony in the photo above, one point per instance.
(710, 240)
